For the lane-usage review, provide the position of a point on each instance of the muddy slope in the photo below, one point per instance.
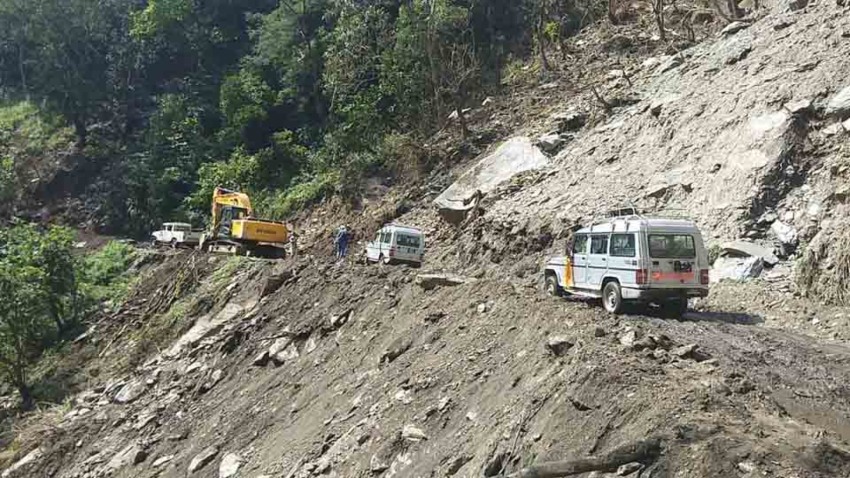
(376, 376)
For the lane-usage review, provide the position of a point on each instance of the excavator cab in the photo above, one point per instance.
(228, 215)
(235, 230)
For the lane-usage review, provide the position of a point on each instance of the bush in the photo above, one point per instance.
(104, 275)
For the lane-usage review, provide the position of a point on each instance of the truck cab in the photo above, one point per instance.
(176, 234)
(633, 259)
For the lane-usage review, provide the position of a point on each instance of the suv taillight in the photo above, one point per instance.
(641, 276)
(703, 276)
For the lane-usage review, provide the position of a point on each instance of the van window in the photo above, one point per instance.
(181, 228)
(623, 245)
(385, 237)
(599, 245)
(406, 240)
(672, 246)
(580, 244)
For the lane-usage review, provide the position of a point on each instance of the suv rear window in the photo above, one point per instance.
(405, 240)
(672, 246)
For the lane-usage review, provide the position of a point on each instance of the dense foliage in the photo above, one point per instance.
(286, 99)
(46, 289)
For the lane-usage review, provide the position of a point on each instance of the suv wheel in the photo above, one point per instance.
(676, 308)
(551, 286)
(612, 299)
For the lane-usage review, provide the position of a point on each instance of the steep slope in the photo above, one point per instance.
(492, 374)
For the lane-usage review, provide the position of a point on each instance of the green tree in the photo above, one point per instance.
(40, 298)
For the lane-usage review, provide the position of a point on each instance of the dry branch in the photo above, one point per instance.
(641, 451)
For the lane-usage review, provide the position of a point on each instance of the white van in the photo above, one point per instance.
(633, 258)
(395, 243)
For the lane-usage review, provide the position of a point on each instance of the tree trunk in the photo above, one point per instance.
(27, 402)
(541, 40)
(658, 6)
(81, 132)
(641, 451)
(464, 128)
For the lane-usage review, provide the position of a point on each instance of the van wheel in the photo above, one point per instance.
(551, 286)
(612, 299)
(174, 243)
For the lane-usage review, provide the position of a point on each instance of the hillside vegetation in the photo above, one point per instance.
(288, 100)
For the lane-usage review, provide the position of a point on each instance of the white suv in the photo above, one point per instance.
(397, 244)
(633, 258)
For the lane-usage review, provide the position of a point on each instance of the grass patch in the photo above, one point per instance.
(105, 273)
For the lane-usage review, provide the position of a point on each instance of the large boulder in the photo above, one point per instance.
(736, 268)
(515, 156)
(749, 249)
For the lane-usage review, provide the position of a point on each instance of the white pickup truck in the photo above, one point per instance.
(176, 234)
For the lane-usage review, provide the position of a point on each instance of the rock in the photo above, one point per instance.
(378, 465)
(161, 461)
(131, 391)
(570, 120)
(262, 359)
(794, 5)
(839, 104)
(279, 345)
(833, 129)
(630, 337)
(17, 468)
(599, 332)
(411, 433)
(217, 375)
(748, 249)
(628, 468)
(131, 455)
(736, 269)
(487, 101)
(734, 27)
(274, 282)
(457, 464)
(513, 157)
(444, 403)
(432, 281)
(559, 345)
(396, 349)
(799, 107)
(482, 308)
(669, 63)
(289, 353)
(340, 319)
(655, 107)
(203, 458)
(229, 465)
(785, 233)
(494, 465)
(846, 125)
(550, 142)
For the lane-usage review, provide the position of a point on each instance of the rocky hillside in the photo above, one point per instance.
(225, 367)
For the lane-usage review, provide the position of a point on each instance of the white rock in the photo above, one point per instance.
(203, 458)
(411, 433)
(229, 465)
(161, 461)
(785, 233)
(130, 392)
(839, 104)
(734, 27)
(736, 268)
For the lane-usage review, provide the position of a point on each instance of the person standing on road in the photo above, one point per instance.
(293, 243)
(342, 242)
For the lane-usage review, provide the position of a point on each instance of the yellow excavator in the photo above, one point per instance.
(234, 230)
